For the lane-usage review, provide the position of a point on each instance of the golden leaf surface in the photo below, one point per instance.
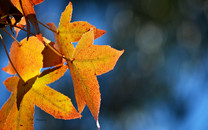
(26, 58)
(71, 32)
(18, 111)
(88, 61)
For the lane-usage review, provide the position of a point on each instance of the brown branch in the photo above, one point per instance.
(47, 45)
(17, 27)
(11, 36)
(47, 27)
(10, 58)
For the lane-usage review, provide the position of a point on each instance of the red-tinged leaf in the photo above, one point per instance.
(75, 30)
(53, 27)
(71, 32)
(26, 7)
(88, 61)
(17, 4)
(21, 24)
(50, 58)
(35, 2)
(17, 112)
(11, 82)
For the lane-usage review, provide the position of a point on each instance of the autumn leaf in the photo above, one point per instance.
(26, 58)
(88, 61)
(26, 7)
(30, 57)
(71, 32)
(50, 58)
(20, 24)
(18, 111)
(7, 9)
(85, 62)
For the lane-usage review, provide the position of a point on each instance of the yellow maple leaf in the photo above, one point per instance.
(71, 32)
(27, 58)
(18, 111)
(88, 61)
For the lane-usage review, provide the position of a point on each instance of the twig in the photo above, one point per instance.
(13, 14)
(11, 36)
(47, 27)
(17, 27)
(50, 47)
(10, 58)
(55, 51)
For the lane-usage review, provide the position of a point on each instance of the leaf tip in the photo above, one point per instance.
(8, 69)
(119, 53)
(98, 124)
(122, 51)
(70, 4)
(52, 26)
(99, 33)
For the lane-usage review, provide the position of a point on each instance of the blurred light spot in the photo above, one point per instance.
(152, 117)
(190, 8)
(189, 36)
(149, 38)
(122, 19)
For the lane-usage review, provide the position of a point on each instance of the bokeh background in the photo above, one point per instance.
(161, 80)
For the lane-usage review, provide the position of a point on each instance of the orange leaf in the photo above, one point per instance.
(20, 24)
(75, 30)
(71, 32)
(50, 58)
(29, 4)
(26, 58)
(26, 7)
(11, 118)
(53, 27)
(11, 82)
(17, 112)
(35, 2)
(88, 61)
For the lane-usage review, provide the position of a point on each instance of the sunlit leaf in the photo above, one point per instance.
(89, 61)
(71, 32)
(18, 111)
(26, 7)
(26, 58)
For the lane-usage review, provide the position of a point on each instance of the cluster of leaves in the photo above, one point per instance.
(28, 57)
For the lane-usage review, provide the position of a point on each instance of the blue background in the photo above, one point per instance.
(161, 80)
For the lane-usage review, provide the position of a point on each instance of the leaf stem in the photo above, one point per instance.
(10, 58)
(11, 36)
(47, 27)
(57, 52)
(50, 47)
(18, 27)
